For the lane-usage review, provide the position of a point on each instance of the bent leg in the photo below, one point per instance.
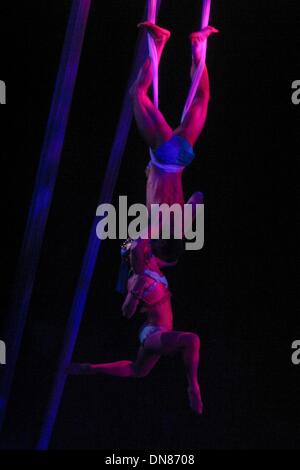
(189, 345)
(150, 121)
(194, 121)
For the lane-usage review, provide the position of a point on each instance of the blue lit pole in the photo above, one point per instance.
(90, 257)
(43, 192)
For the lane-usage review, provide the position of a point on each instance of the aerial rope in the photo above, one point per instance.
(200, 68)
(152, 6)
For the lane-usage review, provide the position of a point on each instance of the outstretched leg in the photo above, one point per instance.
(150, 121)
(144, 363)
(194, 121)
(154, 347)
(189, 345)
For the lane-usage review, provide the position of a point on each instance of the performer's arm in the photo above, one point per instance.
(134, 296)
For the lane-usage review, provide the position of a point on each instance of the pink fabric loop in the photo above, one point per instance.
(199, 71)
(154, 61)
(205, 13)
(152, 10)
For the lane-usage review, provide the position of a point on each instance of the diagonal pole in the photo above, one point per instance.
(43, 192)
(90, 257)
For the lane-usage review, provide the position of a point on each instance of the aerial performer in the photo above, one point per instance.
(148, 294)
(147, 287)
(171, 150)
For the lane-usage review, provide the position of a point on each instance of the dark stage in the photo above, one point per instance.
(238, 293)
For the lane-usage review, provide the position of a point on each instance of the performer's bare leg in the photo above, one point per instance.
(150, 121)
(189, 345)
(194, 121)
(141, 367)
(155, 346)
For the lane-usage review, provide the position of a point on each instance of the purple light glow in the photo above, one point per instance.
(43, 192)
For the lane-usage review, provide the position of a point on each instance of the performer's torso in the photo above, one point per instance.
(156, 301)
(164, 188)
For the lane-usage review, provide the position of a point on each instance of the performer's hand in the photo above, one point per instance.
(129, 307)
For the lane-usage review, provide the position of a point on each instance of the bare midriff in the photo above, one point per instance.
(164, 187)
(160, 315)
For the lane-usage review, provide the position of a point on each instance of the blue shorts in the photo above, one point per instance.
(148, 330)
(173, 155)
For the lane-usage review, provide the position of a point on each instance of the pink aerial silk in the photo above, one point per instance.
(154, 59)
(152, 10)
(200, 68)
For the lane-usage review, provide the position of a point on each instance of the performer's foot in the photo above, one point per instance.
(195, 399)
(160, 35)
(197, 39)
(79, 369)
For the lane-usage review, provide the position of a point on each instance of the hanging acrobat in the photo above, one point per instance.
(147, 287)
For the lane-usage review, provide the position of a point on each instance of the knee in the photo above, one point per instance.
(193, 341)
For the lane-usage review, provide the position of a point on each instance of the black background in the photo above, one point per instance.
(238, 292)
